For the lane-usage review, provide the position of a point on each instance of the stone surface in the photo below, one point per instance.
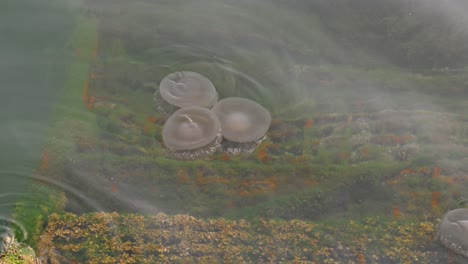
(453, 231)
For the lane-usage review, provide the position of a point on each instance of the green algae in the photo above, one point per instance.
(66, 121)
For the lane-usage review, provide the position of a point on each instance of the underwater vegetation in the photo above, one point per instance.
(19, 253)
(346, 178)
(130, 238)
(310, 169)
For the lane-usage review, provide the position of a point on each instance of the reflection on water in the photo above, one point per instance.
(359, 130)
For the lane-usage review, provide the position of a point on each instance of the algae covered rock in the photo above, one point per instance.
(19, 253)
(132, 238)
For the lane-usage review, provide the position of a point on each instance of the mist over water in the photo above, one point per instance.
(32, 72)
(299, 59)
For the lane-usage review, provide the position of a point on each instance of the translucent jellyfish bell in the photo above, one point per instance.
(453, 231)
(244, 124)
(192, 132)
(183, 89)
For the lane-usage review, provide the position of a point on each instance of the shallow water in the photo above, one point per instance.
(354, 133)
(34, 60)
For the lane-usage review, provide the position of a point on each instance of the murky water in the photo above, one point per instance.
(32, 71)
(356, 131)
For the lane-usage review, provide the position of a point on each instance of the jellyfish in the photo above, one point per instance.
(244, 124)
(183, 89)
(192, 133)
(453, 231)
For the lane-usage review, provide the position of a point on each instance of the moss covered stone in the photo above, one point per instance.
(116, 238)
(19, 253)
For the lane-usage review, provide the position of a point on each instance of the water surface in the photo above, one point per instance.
(32, 71)
(369, 119)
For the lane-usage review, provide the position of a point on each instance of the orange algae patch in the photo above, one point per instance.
(435, 199)
(315, 143)
(349, 120)
(395, 139)
(310, 182)
(364, 152)
(155, 189)
(325, 82)
(44, 160)
(450, 180)
(148, 125)
(309, 123)
(146, 129)
(300, 159)
(114, 188)
(262, 155)
(396, 212)
(96, 76)
(88, 100)
(421, 170)
(406, 172)
(152, 119)
(201, 180)
(257, 187)
(361, 258)
(450, 254)
(345, 155)
(225, 157)
(182, 176)
(90, 104)
(244, 193)
(220, 180)
(400, 139)
(231, 205)
(85, 92)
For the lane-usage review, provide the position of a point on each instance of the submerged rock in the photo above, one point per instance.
(12, 251)
(7, 238)
(453, 231)
(236, 148)
(19, 253)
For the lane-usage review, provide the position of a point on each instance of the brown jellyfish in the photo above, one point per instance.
(453, 231)
(184, 88)
(192, 133)
(244, 124)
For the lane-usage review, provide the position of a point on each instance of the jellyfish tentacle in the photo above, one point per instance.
(188, 118)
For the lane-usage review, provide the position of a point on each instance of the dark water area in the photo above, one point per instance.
(32, 72)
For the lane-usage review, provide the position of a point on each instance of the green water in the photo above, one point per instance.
(367, 121)
(35, 58)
